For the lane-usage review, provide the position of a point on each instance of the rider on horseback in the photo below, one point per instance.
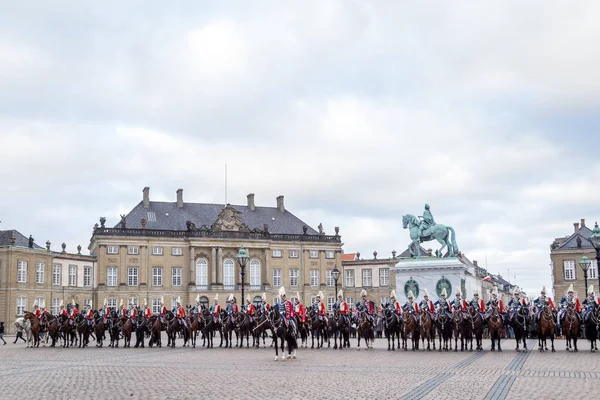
(343, 307)
(250, 309)
(564, 303)
(590, 303)
(147, 310)
(74, 311)
(163, 309)
(319, 307)
(89, 315)
(541, 301)
(460, 304)
(123, 310)
(427, 304)
(365, 305)
(181, 313)
(232, 308)
(215, 309)
(443, 305)
(394, 306)
(427, 220)
(478, 304)
(412, 306)
(515, 303)
(62, 310)
(496, 302)
(286, 309)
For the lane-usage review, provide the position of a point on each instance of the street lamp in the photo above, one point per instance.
(595, 241)
(585, 263)
(242, 257)
(336, 275)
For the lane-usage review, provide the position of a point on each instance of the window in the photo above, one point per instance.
(277, 278)
(202, 272)
(39, 301)
(349, 277)
(86, 302)
(112, 249)
(330, 303)
(313, 254)
(254, 273)
(40, 272)
(176, 276)
(111, 302)
(293, 254)
(569, 267)
(134, 250)
(312, 300)
(228, 277)
(156, 276)
(111, 276)
(56, 272)
(275, 300)
(593, 271)
(55, 309)
(72, 275)
(156, 306)
(366, 277)
(173, 302)
(177, 251)
(21, 304)
(157, 251)
(277, 253)
(314, 277)
(329, 281)
(350, 301)
(385, 300)
(87, 276)
(132, 276)
(293, 277)
(384, 277)
(22, 271)
(330, 254)
(133, 301)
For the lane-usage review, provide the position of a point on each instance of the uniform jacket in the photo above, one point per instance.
(147, 312)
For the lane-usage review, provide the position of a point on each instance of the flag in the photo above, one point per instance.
(487, 278)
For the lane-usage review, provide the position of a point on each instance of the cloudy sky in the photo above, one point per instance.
(358, 112)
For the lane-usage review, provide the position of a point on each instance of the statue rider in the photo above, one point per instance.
(427, 220)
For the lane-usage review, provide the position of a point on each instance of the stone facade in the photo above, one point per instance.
(373, 275)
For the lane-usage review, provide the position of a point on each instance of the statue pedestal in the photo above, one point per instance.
(433, 274)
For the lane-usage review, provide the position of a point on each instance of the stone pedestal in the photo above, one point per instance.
(432, 274)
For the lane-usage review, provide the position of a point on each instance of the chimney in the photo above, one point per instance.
(280, 205)
(179, 198)
(146, 192)
(251, 205)
(583, 222)
(576, 226)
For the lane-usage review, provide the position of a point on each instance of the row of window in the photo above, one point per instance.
(178, 251)
(349, 280)
(570, 272)
(330, 254)
(40, 273)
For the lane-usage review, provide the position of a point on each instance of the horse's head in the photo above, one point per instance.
(404, 221)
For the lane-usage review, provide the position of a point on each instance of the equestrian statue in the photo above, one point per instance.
(424, 229)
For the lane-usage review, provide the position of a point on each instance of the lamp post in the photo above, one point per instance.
(242, 257)
(336, 275)
(585, 263)
(595, 241)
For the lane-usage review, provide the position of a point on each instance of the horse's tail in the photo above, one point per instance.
(455, 249)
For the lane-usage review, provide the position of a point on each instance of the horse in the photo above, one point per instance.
(546, 328)
(519, 323)
(443, 234)
(318, 328)
(35, 327)
(392, 328)
(194, 326)
(285, 333)
(365, 330)
(592, 326)
(263, 323)
(475, 321)
(571, 327)
(304, 331)
(173, 328)
(83, 329)
(126, 326)
(156, 327)
(24, 324)
(343, 329)
(427, 329)
(113, 329)
(495, 326)
(210, 327)
(458, 328)
(100, 329)
(229, 326)
(410, 327)
(141, 327)
(52, 323)
(332, 331)
(444, 326)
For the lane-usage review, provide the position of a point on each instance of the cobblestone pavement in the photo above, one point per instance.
(186, 373)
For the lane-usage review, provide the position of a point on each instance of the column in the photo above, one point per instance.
(192, 265)
(213, 268)
(219, 266)
(266, 272)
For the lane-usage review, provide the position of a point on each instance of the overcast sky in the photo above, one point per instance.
(358, 112)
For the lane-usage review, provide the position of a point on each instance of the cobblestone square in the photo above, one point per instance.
(186, 373)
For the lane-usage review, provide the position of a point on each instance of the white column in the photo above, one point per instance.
(213, 263)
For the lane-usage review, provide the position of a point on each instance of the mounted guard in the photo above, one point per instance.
(250, 309)
(265, 307)
(123, 310)
(286, 309)
(424, 229)
(147, 311)
(541, 301)
(412, 306)
(590, 303)
(299, 308)
(459, 303)
(163, 310)
(443, 305)
(394, 305)
(232, 308)
(63, 311)
(365, 305)
(215, 309)
(427, 304)
(74, 311)
(515, 302)
(181, 313)
(343, 307)
(570, 298)
(89, 315)
(478, 304)
(496, 302)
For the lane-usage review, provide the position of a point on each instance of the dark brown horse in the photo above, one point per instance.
(365, 330)
(458, 328)
(392, 327)
(318, 328)
(285, 333)
(99, 329)
(263, 325)
(444, 326)
(475, 320)
(156, 327)
(546, 328)
(229, 325)
(52, 323)
(495, 325)
(571, 327)
(343, 329)
(126, 327)
(244, 327)
(35, 327)
(194, 326)
(592, 326)
(427, 329)
(410, 326)
(83, 329)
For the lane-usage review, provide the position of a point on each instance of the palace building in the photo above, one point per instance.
(170, 250)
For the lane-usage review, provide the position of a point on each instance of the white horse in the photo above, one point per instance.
(25, 324)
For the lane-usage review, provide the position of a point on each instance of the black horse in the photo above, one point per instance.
(519, 323)
(285, 332)
(392, 327)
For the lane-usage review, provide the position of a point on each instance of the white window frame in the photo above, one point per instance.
(133, 300)
(350, 301)
(133, 276)
(55, 308)
(276, 253)
(294, 277)
(254, 272)
(329, 254)
(21, 305)
(313, 254)
(202, 272)
(86, 302)
(329, 281)
(276, 278)
(330, 303)
(112, 249)
(293, 253)
(39, 300)
(112, 303)
(593, 271)
(87, 276)
(313, 299)
(228, 272)
(157, 276)
(349, 278)
(155, 305)
(384, 277)
(176, 276)
(40, 272)
(569, 270)
(21, 271)
(367, 277)
(173, 302)
(57, 274)
(157, 251)
(72, 275)
(275, 301)
(384, 300)
(133, 250)
(177, 251)
(112, 277)
(314, 277)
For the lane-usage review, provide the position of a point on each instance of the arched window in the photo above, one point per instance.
(201, 272)
(257, 301)
(254, 273)
(228, 277)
